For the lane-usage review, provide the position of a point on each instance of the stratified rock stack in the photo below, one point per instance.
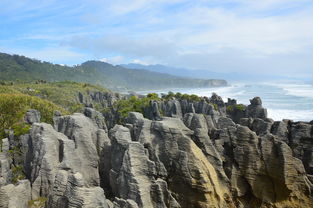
(192, 155)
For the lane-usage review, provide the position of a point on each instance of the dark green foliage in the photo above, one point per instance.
(20, 128)
(64, 94)
(134, 104)
(14, 68)
(232, 108)
(14, 106)
(178, 95)
(17, 174)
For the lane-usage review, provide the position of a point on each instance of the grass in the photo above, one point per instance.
(64, 94)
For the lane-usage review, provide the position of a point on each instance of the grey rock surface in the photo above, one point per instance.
(197, 156)
(15, 196)
(255, 109)
(32, 116)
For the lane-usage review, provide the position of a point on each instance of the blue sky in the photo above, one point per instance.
(268, 36)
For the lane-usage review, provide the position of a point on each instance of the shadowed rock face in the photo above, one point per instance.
(197, 157)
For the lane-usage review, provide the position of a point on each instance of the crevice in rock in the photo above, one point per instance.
(61, 150)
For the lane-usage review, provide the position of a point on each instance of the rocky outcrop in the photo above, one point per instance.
(15, 196)
(32, 116)
(64, 166)
(5, 163)
(70, 190)
(191, 177)
(255, 109)
(104, 99)
(188, 154)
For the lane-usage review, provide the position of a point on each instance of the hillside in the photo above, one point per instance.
(64, 94)
(205, 73)
(14, 67)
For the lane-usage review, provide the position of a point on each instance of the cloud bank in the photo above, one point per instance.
(269, 36)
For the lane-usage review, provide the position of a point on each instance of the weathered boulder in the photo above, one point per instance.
(301, 142)
(96, 117)
(70, 191)
(87, 143)
(280, 129)
(255, 109)
(65, 169)
(264, 167)
(15, 196)
(259, 126)
(133, 174)
(217, 100)
(201, 127)
(191, 178)
(5, 163)
(32, 116)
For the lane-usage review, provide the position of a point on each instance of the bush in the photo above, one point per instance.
(64, 94)
(134, 104)
(37, 203)
(14, 106)
(17, 174)
(239, 107)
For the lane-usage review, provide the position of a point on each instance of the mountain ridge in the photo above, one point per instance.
(203, 73)
(15, 67)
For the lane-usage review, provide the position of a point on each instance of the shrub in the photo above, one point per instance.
(37, 203)
(14, 106)
(239, 107)
(134, 104)
(153, 96)
(17, 174)
(215, 106)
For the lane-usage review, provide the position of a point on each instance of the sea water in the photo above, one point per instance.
(283, 100)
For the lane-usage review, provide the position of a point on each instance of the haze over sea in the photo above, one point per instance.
(283, 100)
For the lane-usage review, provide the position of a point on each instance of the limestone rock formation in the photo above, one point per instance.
(32, 116)
(255, 109)
(15, 196)
(178, 154)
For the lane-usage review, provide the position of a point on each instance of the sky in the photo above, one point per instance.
(245, 36)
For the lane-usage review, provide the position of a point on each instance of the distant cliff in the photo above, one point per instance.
(14, 67)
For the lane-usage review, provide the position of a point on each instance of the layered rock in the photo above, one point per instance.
(255, 109)
(15, 196)
(198, 156)
(133, 174)
(191, 177)
(64, 167)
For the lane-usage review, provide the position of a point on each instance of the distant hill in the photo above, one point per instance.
(202, 73)
(15, 67)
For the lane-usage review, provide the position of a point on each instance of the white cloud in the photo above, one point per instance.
(138, 61)
(113, 60)
(60, 55)
(226, 35)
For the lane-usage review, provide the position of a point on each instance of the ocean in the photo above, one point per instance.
(283, 100)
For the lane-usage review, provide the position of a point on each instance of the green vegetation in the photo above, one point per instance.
(37, 203)
(178, 95)
(14, 106)
(215, 106)
(134, 104)
(14, 68)
(64, 94)
(239, 107)
(17, 174)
